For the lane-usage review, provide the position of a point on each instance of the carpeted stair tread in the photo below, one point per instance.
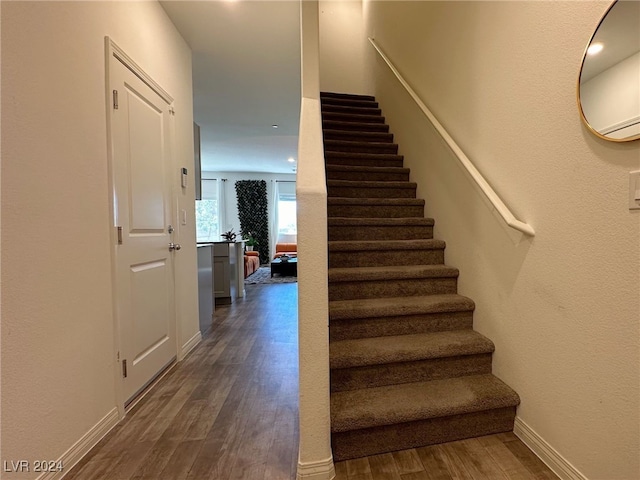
(407, 348)
(351, 96)
(399, 306)
(370, 184)
(385, 245)
(355, 126)
(353, 117)
(364, 169)
(390, 273)
(349, 109)
(356, 136)
(365, 160)
(409, 402)
(380, 222)
(406, 202)
(360, 147)
(351, 102)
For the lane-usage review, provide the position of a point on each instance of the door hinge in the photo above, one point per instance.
(172, 111)
(124, 368)
(115, 99)
(119, 231)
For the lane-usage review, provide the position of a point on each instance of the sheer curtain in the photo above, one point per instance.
(275, 193)
(222, 205)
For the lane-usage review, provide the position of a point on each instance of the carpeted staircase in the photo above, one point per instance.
(407, 368)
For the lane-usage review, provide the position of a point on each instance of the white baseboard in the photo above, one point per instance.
(321, 470)
(546, 452)
(79, 449)
(190, 345)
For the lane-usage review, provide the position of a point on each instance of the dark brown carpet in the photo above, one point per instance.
(407, 369)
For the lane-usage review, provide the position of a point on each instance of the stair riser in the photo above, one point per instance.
(375, 211)
(386, 148)
(349, 96)
(400, 325)
(367, 176)
(350, 110)
(368, 192)
(383, 258)
(363, 162)
(391, 288)
(348, 102)
(374, 232)
(373, 441)
(355, 127)
(359, 136)
(348, 117)
(343, 379)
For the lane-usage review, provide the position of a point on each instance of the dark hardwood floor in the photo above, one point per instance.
(493, 457)
(230, 411)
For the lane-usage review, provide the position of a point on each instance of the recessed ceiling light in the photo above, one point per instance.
(274, 126)
(291, 159)
(595, 48)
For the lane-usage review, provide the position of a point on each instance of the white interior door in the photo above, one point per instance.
(141, 141)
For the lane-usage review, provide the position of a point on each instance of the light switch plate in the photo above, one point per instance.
(634, 190)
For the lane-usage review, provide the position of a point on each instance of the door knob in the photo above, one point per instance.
(174, 246)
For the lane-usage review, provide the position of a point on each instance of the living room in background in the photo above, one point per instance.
(210, 210)
(283, 222)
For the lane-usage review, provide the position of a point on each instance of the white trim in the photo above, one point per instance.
(321, 470)
(119, 54)
(117, 372)
(79, 449)
(546, 452)
(493, 197)
(620, 125)
(190, 345)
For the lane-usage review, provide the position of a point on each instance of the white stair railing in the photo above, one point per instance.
(493, 197)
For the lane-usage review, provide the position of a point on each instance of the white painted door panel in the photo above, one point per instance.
(141, 142)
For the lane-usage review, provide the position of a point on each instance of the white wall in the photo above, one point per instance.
(58, 361)
(231, 201)
(563, 308)
(613, 97)
(315, 461)
(342, 46)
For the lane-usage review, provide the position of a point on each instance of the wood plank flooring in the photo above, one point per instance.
(229, 411)
(494, 457)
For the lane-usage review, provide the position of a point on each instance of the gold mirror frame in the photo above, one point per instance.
(585, 56)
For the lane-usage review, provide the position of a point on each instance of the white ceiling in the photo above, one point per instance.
(246, 78)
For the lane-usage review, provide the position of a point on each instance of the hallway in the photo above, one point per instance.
(228, 411)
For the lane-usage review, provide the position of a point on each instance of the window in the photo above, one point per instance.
(287, 224)
(207, 212)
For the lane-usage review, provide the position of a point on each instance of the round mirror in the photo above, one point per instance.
(609, 81)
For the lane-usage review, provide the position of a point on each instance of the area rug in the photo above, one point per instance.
(263, 276)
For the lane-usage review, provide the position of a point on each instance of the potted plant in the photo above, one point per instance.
(250, 241)
(229, 236)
